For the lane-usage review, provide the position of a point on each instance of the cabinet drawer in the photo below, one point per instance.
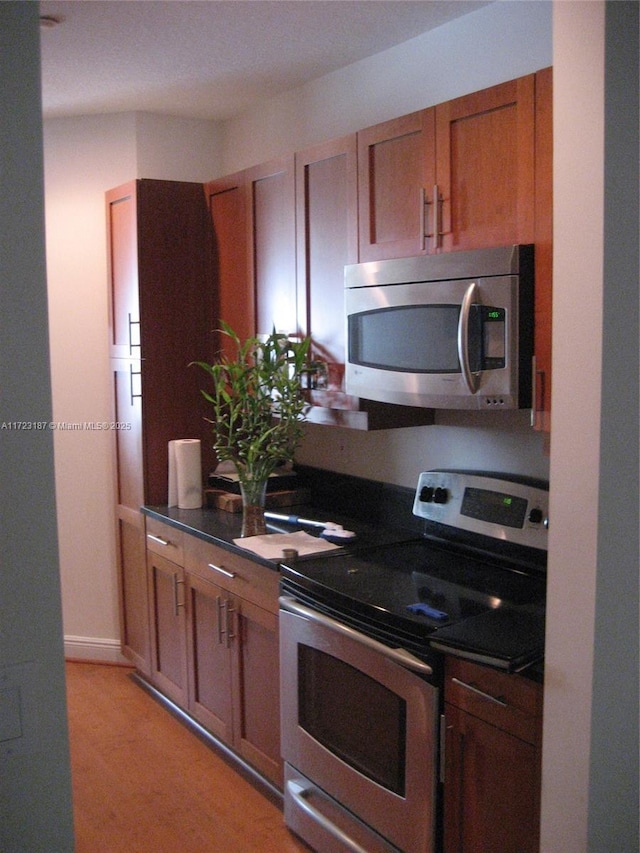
(509, 702)
(234, 573)
(165, 540)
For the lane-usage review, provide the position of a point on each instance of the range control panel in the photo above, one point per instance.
(508, 507)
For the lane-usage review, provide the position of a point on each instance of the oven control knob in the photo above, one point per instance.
(441, 495)
(426, 494)
(535, 516)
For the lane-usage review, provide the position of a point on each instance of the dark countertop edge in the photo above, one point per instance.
(209, 525)
(220, 528)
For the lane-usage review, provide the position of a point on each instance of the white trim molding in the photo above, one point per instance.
(93, 649)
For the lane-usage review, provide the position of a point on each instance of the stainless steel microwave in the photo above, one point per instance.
(449, 331)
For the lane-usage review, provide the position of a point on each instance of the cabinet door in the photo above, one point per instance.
(491, 788)
(271, 224)
(544, 249)
(327, 235)
(129, 494)
(236, 303)
(168, 627)
(134, 609)
(126, 378)
(211, 633)
(122, 266)
(485, 167)
(396, 174)
(256, 690)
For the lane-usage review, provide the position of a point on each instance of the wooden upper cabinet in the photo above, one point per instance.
(485, 144)
(161, 319)
(271, 224)
(235, 304)
(122, 263)
(544, 248)
(396, 174)
(327, 239)
(456, 176)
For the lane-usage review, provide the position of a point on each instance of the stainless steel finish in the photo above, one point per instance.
(534, 391)
(399, 656)
(480, 263)
(442, 280)
(298, 794)
(131, 343)
(443, 743)
(176, 582)
(229, 610)
(497, 700)
(399, 815)
(470, 379)
(132, 373)
(436, 217)
(423, 216)
(219, 608)
(533, 534)
(158, 539)
(221, 570)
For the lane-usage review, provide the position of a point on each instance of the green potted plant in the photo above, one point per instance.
(258, 410)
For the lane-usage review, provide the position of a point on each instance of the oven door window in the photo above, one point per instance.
(335, 706)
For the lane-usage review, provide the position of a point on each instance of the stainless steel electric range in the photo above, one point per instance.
(363, 634)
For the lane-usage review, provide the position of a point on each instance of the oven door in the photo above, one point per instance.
(359, 723)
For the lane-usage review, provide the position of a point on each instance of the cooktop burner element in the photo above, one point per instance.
(473, 585)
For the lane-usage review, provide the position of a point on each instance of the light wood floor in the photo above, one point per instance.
(144, 783)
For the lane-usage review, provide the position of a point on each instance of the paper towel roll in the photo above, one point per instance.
(173, 476)
(188, 474)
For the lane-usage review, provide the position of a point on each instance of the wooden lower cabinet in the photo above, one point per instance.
(492, 761)
(214, 642)
(211, 636)
(168, 627)
(134, 611)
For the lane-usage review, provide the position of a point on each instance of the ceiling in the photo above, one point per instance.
(211, 59)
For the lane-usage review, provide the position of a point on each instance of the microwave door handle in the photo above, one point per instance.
(470, 378)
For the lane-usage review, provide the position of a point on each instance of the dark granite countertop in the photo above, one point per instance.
(220, 527)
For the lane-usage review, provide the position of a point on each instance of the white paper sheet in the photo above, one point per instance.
(271, 545)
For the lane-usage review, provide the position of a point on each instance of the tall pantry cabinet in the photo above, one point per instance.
(161, 317)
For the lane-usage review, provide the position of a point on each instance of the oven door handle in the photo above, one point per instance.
(399, 656)
(299, 796)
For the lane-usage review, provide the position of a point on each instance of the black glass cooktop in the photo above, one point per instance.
(408, 592)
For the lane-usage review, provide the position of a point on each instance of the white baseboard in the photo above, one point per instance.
(93, 649)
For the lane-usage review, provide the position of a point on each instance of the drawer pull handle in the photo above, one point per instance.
(222, 570)
(158, 539)
(498, 700)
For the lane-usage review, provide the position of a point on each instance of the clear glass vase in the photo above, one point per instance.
(253, 502)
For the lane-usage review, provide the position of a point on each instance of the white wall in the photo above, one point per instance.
(590, 754)
(83, 158)
(35, 775)
(578, 245)
(499, 42)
